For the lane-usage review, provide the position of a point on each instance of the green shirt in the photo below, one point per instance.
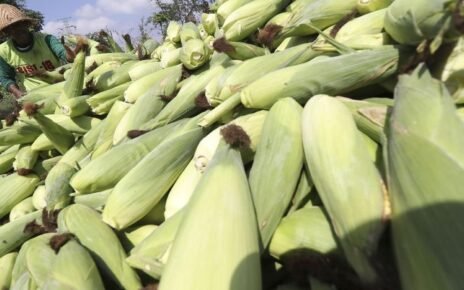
(17, 65)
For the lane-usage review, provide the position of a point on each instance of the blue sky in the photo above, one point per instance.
(84, 16)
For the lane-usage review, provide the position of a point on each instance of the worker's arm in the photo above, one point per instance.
(64, 54)
(8, 79)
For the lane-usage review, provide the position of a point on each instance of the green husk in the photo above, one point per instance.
(170, 58)
(277, 163)
(425, 165)
(105, 138)
(173, 32)
(151, 254)
(307, 229)
(105, 171)
(210, 22)
(143, 68)
(13, 234)
(108, 95)
(7, 158)
(189, 31)
(6, 267)
(248, 18)
(222, 195)
(13, 189)
(86, 224)
(113, 78)
(238, 50)
(331, 140)
(346, 72)
(161, 82)
(73, 268)
(369, 6)
(76, 106)
(226, 8)
(25, 160)
(96, 200)
(22, 208)
(145, 184)
(38, 197)
(194, 53)
(19, 133)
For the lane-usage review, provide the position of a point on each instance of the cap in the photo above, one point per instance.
(10, 14)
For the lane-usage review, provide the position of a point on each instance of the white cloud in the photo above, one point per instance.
(79, 26)
(125, 6)
(88, 11)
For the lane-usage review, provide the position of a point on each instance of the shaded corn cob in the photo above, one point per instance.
(307, 228)
(105, 172)
(15, 188)
(225, 186)
(337, 144)
(280, 151)
(425, 164)
(145, 184)
(302, 192)
(73, 268)
(85, 223)
(61, 138)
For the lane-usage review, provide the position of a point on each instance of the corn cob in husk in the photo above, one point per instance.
(73, 268)
(135, 235)
(105, 171)
(6, 267)
(227, 8)
(170, 58)
(13, 233)
(280, 152)
(38, 197)
(107, 96)
(238, 50)
(74, 85)
(145, 108)
(151, 254)
(57, 183)
(102, 58)
(182, 190)
(307, 228)
(173, 32)
(76, 106)
(194, 53)
(19, 133)
(21, 209)
(143, 68)
(235, 228)
(105, 138)
(369, 6)
(61, 138)
(25, 160)
(144, 185)
(13, 189)
(7, 158)
(188, 31)
(424, 151)
(113, 78)
(162, 82)
(85, 223)
(95, 200)
(343, 172)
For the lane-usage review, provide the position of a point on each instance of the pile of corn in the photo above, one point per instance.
(306, 144)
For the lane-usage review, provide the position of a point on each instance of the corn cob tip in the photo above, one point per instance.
(58, 241)
(169, 98)
(222, 45)
(92, 67)
(268, 33)
(33, 228)
(31, 109)
(132, 134)
(151, 287)
(202, 102)
(24, 171)
(235, 136)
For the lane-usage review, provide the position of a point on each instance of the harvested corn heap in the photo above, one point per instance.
(305, 144)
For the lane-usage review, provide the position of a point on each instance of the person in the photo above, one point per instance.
(25, 54)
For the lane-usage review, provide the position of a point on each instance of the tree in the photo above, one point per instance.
(177, 10)
(38, 16)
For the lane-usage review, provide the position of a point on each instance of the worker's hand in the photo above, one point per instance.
(16, 91)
